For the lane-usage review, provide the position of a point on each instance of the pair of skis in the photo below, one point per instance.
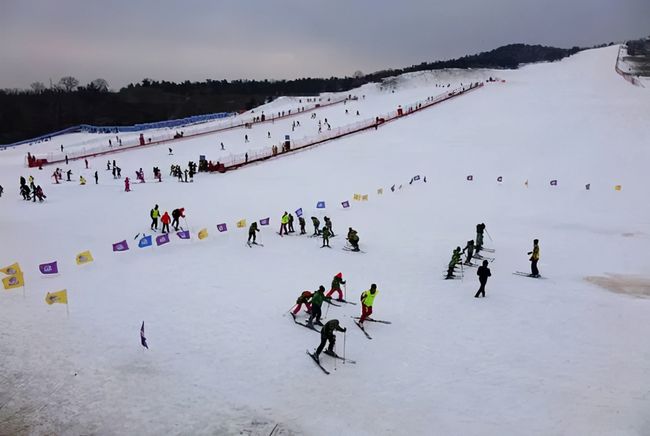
(334, 355)
(250, 244)
(356, 321)
(525, 274)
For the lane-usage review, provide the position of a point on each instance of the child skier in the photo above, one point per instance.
(455, 260)
(328, 224)
(252, 232)
(316, 303)
(534, 258)
(301, 221)
(127, 185)
(326, 237)
(470, 251)
(367, 300)
(165, 222)
(303, 299)
(480, 228)
(337, 281)
(176, 214)
(316, 222)
(327, 335)
(283, 223)
(353, 239)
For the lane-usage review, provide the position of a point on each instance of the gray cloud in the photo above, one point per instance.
(125, 41)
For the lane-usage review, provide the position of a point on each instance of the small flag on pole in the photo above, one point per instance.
(265, 221)
(500, 179)
(57, 297)
(183, 234)
(470, 178)
(120, 246)
(12, 269)
(49, 268)
(392, 188)
(143, 340)
(162, 239)
(203, 233)
(299, 212)
(15, 281)
(345, 204)
(356, 197)
(221, 227)
(146, 241)
(241, 223)
(553, 182)
(320, 205)
(588, 186)
(84, 257)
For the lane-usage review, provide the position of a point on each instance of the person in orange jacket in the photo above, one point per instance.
(166, 219)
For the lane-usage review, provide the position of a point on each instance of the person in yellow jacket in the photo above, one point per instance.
(534, 258)
(283, 223)
(82, 181)
(154, 214)
(367, 300)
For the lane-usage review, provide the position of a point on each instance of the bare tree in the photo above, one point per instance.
(38, 87)
(68, 83)
(100, 85)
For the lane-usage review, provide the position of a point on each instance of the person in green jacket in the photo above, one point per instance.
(155, 214)
(283, 223)
(327, 335)
(326, 237)
(336, 286)
(316, 222)
(455, 260)
(470, 251)
(301, 221)
(367, 300)
(353, 239)
(316, 303)
(252, 232)
(328, 224)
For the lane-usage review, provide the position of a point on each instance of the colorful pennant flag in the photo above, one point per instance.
(12, 269)
(49, 268)
(299, 212)
(121, 246)
(364, 197)
(618, 187)
(143, 340)
(345, 204)
(57, 297)
(221, 227)
(15, 281)
(183, 234)
(320, 205)
(162, 239)
(146, 241)
(553, 182)
(241, 223)
(265, 221)
(203, 233)
(500, 179)
(470, 178)
(380, 191)
(84, 257)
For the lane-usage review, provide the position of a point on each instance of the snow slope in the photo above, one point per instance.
(558, 356)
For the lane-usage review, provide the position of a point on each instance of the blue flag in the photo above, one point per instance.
(320, 205)
(146, 241)
(299, 212)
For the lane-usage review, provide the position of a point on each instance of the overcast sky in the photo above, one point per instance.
(125, 41)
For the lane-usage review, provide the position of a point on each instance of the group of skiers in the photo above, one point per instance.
(165, 219)
(31, 192)
(190, 171)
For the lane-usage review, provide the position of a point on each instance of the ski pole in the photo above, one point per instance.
(461, 272)
(187, 227)
(488, 233)
(345, 286)
(344, 336)
(328, 309)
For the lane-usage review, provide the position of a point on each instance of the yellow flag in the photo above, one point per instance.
(618, 187)
(15, 281)
(364, 197)
(241, 223)
(203, 233)
(57, 297)
(356, 197)
(11, 269)
(380, 191)
(84, 257)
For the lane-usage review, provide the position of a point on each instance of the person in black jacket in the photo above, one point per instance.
(327, 334)
(483, 273)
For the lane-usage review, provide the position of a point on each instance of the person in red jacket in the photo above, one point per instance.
(165, 222)
(303, 299)
(176, 214)
(127, 185)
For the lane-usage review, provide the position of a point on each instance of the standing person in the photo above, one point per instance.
(480, 228)
(176, 214)
(470, 251)
(165, 222)
(328, 224)
(455, 260)
(108, 165)
(337, 281)
(96, 178)
(483, 273)
(327, 335)
(86, 161)
(291, 230)
(301, 221)
(68, 174)
(1, 190)
(353, 239)
(114, 173)
(326, 237)
(127, 185)
(316, 222)
(534, 258)
(119, 172)
(252, 230)
(154, 214)
(316, 303)
(303, 299)
(61, 148)
(367, 300)
(66, 159)
(283, 223)
(222, 147)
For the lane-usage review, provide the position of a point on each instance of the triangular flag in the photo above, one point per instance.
(320, 205)
(49, 268)
(241, 223)
(183, 234)
(221, 227)
(146, 241)
(143, 340)
(121, 246)
(203, 233)
(84, 257)
(57, 297)
(345, 204)
(15, 281)
(12, 269)
(162, 239)
(265, 221)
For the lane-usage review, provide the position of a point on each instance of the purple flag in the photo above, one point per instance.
(265, 221)
(185, 234)
(49, 268)
(320, 205)
(500, 179)
(470, 178)
(121, 246)
(299, 212)
(553, 182)
(345, 204)
(222, 227)
(162, 239)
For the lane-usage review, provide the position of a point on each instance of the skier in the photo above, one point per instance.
(455, 259)
(301, 221)
(154, 214)
(353, 239)
(291, 230)
(315, 221)
(68, 174)
(316, 303)
(326, 237)
(367, 300)
(165, 222)
(176, 214)
(283, 223)
(534, 258)
(337, 281)
(470, 251)
(328, 224)
(483, 273)
(480, 228)
(327, 335)
(303, 299)
(25, 192)
(96, 178)
(82, 181)
(222, 147)
(86, 161)
(1, 190)
(252, 232)
(39, 193)
(245, 138)
(127, 185)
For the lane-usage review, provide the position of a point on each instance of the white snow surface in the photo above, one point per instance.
(557, 356)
